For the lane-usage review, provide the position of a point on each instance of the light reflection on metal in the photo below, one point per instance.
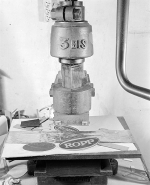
(121, 45)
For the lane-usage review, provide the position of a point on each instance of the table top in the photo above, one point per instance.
(105, 137)
(131, 169)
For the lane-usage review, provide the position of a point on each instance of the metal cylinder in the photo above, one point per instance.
(72, 76)
(71, 40)
(71, 61)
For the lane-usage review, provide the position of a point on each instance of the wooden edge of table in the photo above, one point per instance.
(102, 155)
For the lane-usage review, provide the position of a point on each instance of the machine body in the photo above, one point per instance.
(71, 42)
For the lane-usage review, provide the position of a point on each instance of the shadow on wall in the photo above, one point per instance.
(2, 96)
(139, 124)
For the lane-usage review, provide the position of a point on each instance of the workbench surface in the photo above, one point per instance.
(105, 137)
(131, 167)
